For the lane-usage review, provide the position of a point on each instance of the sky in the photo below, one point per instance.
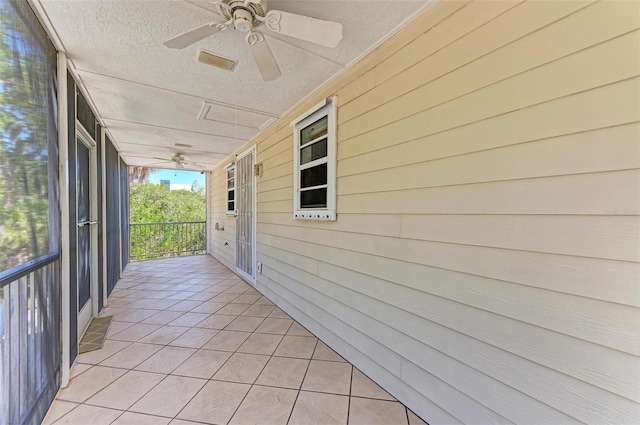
(177, 176)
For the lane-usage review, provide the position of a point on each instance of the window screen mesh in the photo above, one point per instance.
(29, 217)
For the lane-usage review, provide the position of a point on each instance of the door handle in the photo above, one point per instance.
(87, 223)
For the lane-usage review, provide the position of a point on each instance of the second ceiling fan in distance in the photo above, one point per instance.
(247, 15)
(180, 161)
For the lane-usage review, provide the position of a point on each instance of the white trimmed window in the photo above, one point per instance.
(231, 189)
(314, 149)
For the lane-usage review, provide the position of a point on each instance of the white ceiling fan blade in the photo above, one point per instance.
(190, 37)
(318, 31)
(195, 164)
(160, 165)
(262, 55)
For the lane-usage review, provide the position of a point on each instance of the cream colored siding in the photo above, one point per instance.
(485, 264)
(217, 211)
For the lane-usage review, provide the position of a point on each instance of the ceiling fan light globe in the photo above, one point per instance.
(242, 25)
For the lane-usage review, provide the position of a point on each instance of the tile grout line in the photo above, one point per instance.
(132, 369)
(74, 408)
(252, 384)
(196, 350)
(350, 391)
(137, 400)
(221, 366)
(302, 382)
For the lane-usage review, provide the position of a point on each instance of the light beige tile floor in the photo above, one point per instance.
(191, 343)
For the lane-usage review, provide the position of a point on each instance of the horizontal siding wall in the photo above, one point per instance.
(221, 242)
(485, 264)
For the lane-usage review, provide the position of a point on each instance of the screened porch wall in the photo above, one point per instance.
(112, 218)
(30, 218)
(124, 214)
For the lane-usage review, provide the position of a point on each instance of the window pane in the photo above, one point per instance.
(231, 195)
(231, 173)
(85, 115)
(316, 151)
(231, 206)
(315, 130)
(231, 183)
(316, 198)
(314, 176)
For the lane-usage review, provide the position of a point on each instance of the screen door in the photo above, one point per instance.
(245, 221)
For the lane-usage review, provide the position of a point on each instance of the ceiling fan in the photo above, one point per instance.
(179, 160)
(247, 15)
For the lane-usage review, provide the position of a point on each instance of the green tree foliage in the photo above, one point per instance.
(154, 203)
(26, 131)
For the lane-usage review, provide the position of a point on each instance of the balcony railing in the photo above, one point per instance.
(156, 240)
(29, 340)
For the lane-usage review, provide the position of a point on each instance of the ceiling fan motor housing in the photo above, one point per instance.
(244, 17)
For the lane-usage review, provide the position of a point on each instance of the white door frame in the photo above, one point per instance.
(251, 278)
(91, 309)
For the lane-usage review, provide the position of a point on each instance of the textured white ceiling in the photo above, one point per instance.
(151, 97)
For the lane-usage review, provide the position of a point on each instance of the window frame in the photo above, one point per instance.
(326, 108)
(228, 169)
